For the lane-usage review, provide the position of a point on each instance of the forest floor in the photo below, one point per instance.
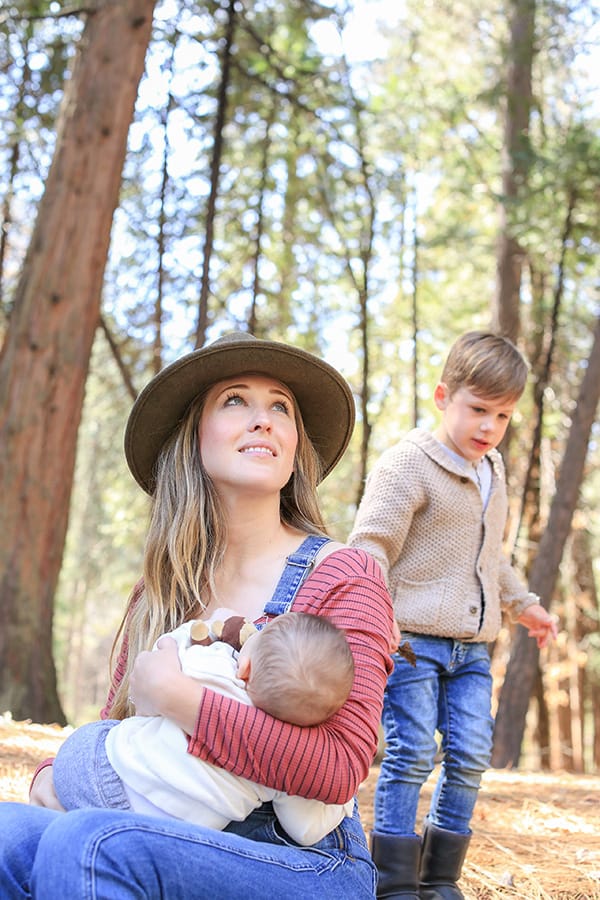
(536, 836)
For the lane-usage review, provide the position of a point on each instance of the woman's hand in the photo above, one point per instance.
(42, 790)
(158, 687)
(153, 672)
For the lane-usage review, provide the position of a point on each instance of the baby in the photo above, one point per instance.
(298, 668)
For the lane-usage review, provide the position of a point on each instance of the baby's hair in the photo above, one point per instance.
(302, 669)
(487, 364)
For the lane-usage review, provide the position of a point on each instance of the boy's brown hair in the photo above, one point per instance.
(487, 364)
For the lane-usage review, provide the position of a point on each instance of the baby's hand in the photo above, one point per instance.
(539, 623)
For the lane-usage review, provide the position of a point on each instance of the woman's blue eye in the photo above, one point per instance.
(233, 400)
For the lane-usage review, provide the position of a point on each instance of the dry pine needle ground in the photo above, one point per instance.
(535, 836)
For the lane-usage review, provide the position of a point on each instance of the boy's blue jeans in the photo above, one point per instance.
(449, 690)
(106, 854)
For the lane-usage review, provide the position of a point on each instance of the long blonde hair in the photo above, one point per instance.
(187, 537)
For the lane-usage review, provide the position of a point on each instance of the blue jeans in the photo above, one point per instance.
(82, 773)
(449, 690)
(100, 854)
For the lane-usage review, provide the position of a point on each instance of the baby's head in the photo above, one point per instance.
(486, 364)
(298, 668)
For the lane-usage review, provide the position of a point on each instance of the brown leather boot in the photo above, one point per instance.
(397, 858)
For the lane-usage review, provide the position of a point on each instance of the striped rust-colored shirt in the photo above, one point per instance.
(325, 762)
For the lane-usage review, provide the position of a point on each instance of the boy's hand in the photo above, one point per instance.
(540, 624)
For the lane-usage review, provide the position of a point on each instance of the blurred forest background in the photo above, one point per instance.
(366, 187)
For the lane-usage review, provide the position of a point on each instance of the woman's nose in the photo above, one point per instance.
(260, 420)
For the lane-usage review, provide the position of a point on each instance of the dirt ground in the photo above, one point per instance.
(536, 836)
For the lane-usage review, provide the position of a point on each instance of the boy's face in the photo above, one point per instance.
(471, 424)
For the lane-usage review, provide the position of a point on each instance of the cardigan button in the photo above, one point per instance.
(473, 610)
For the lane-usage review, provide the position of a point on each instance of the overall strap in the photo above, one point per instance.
(297, 567)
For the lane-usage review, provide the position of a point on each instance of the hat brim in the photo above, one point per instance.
(323, 396)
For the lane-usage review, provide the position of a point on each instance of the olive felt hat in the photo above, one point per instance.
(323, 396)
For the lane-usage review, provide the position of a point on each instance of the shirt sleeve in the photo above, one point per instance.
(121, 665)
(325, 762)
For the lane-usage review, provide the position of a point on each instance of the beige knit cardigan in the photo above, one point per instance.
(422, 519)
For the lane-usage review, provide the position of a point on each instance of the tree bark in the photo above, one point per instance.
(45, 357)
(215, 169)
(516, 152)
(521, 672)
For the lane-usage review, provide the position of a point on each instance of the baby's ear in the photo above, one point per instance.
(243, 669)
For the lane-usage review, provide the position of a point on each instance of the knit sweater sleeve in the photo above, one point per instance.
(392, 496)
(326, 762)
(514, 596)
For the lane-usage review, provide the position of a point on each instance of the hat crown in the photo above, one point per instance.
(232, 337)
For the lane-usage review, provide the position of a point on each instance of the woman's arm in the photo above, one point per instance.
(326, 762)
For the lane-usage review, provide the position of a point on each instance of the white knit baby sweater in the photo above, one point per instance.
(422, 519)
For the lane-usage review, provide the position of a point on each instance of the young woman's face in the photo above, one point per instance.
(247, 433)
(471, 425)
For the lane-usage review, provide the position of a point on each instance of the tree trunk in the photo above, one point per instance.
(516, 154)
(529, 517)
(521, 671)
(586, 609)
(215, 168)
(44, 360)
(415, 312)
(253, 325)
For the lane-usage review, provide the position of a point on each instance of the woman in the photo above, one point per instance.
(231, 442)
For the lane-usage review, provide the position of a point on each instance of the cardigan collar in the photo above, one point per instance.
(435, 450)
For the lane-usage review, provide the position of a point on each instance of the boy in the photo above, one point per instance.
(299, 668)
(433, 515)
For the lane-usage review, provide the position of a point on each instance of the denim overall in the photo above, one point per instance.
(297, 567)
(116, 854)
